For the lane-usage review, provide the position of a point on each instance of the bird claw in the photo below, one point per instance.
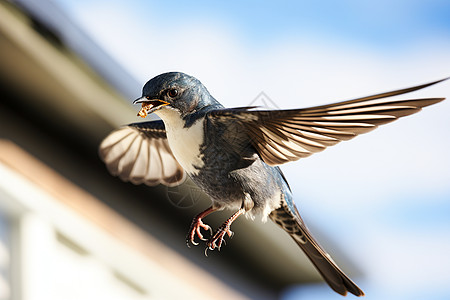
(216, 241)
(189, 242)
(195, 230)
(206, 227)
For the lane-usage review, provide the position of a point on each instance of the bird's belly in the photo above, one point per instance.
(230, 187)
(185, 144)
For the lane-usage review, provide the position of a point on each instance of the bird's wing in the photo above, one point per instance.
(140, 153)
(281, 136)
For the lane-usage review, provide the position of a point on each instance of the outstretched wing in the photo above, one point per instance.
(140, 153)
(281, 136)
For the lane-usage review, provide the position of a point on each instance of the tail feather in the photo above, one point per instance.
(292, 223)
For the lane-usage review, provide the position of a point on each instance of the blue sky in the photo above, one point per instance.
(379, 23)
(384, 197)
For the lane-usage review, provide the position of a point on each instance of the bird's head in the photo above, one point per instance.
(174, 91)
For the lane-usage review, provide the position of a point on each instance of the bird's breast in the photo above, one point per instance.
(185, 142)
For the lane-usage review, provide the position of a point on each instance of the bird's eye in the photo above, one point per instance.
(172, 93)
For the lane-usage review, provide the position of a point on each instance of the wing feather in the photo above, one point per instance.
(140, 153)
(281, 136)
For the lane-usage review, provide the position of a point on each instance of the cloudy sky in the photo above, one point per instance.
(384, 197)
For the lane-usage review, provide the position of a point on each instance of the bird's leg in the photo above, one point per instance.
(196, 226)
(218, 238)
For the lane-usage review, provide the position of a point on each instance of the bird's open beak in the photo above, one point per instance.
(149, 105)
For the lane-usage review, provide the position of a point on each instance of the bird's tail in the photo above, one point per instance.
(292, 223)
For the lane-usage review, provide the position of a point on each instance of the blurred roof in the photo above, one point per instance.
(52, 22)
(61, 94)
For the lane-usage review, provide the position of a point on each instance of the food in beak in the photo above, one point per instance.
(150, 106)
(146, 106)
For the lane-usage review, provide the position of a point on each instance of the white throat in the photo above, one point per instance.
(184, 142)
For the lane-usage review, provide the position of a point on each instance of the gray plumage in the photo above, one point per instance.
(232, 154)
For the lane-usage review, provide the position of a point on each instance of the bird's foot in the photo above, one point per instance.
(215, 242)
(197, 225)
(195, 230)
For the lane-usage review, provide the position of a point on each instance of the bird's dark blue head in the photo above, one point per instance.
(177, 91)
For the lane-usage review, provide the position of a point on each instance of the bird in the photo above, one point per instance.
(233, 154)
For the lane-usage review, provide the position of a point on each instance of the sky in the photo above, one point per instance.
(384, 197)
